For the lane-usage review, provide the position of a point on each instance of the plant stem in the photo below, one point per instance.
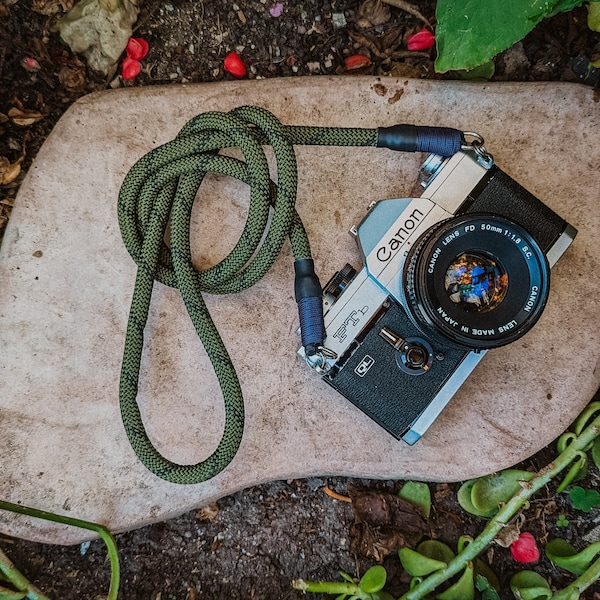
(506, 513)
(327, 587)
(18, 579)
(102, 531)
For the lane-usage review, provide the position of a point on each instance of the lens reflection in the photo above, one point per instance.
(476, 282)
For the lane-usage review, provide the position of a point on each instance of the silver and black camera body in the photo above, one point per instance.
(446, 276)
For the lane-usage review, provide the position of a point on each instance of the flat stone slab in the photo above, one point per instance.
(66, 282)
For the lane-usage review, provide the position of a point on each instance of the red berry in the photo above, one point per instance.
(130, 68)
(421, 41)
(235, 65)
(137, 48)
(524, 549)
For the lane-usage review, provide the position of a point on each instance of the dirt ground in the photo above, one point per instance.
(252, 544)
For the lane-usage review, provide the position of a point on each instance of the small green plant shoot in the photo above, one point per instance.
(562, 521)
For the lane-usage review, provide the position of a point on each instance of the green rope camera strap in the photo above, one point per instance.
(159, 192)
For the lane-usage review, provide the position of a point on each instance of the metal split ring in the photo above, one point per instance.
(484, 158)
(318, 361)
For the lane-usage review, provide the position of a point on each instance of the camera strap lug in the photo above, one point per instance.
(484, 158)
(318, 361)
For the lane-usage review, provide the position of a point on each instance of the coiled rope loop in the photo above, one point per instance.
(161, 188)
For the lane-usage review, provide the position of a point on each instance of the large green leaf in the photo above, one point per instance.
(463, 589)
(565, 556)
(373, 580)
(482, 496)
(529, 585)
(418, 494)
(471, 32)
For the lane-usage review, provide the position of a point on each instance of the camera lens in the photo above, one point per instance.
(476, 281)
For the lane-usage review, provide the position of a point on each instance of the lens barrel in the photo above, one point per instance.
(477, 281)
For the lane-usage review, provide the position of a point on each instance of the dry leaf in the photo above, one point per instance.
(9, 171)
(208, 512)
(24, 118)
(376, 542)
(383, 508)
(72, 78)
(372, 13)
(384, 523)
(507, 535)
(52, 7)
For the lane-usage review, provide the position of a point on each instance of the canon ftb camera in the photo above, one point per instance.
(462, 269)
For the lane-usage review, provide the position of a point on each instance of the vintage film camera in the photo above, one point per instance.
(462, 269)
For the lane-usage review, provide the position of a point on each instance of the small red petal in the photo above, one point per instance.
(524, 549)
(30, 64)
(421, 41)
(234, 64)
(130, 68)
(137, 48)
(357, 61)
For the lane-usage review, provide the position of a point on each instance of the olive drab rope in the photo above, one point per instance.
(159, 192)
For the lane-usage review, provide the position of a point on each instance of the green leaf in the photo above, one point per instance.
(382, 596)
(584, 500)
(585, 417)
(529, 585)
(578, 471)
(484, 573)
(488, 592)
(564, 6)
(373, 580)
(483, 72)
(562, 521)
(489, 491)
(464, 499)
(463, 589)
(6, 594)
(471, 32)
(565, 556)
(594, 16)
(436, 550)
(596, 448)
(418, 494)
(347, 577)
(417, 564)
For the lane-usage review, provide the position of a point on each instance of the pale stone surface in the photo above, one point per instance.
(66, 282)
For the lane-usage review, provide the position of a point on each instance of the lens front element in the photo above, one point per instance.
(477, 281)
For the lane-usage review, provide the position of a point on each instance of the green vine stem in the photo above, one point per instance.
(338, 588)
(507, 512)
(12, 574)
(102, 531)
